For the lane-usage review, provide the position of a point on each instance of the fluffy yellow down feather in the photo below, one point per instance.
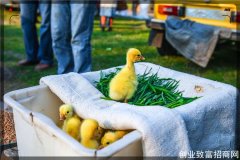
(124, 84)
(90, 133)
(111, 136)
(72, 122)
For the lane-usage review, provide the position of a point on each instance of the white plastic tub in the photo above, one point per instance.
(35, 111)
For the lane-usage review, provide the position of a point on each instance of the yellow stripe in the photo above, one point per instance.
(220, 23)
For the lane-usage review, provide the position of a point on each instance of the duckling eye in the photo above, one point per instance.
(67, 111)
(138, 55)
(108, 143)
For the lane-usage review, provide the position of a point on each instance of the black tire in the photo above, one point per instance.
(147, 23)
(166, 49)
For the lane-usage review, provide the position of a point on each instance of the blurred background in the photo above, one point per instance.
(132, 27)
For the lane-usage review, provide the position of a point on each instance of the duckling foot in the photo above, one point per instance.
(125, 101)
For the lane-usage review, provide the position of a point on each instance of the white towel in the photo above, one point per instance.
(205, 124)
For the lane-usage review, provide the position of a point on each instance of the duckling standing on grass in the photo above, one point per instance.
(110, 137)
(72, 122)
(124, 84)
(90, 133)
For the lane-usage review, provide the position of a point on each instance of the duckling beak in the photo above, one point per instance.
(62, 117)
(142, 58)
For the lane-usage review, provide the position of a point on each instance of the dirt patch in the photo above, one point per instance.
(7, 127)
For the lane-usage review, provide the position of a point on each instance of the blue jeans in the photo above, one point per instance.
(72, 25)
(37, 51)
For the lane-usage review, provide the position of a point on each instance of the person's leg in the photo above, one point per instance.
(134, 7)
(102, 22)
(109, 23)
(61, 36)
(82, 26)
(28, 19)
(45, 53)
(102, 18)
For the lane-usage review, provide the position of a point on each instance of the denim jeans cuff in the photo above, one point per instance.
(46, 62)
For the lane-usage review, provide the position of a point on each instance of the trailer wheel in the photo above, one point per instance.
(147, 23)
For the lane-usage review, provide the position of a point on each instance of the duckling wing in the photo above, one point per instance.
(122, 86)
(73, 127)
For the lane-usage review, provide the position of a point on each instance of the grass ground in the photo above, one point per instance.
(109, 50)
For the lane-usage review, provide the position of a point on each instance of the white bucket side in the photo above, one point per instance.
(39, 128)
(36, 114)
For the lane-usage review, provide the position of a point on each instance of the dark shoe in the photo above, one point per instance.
(109, 29)
(103, 29)
(42, 66)
(25, 62)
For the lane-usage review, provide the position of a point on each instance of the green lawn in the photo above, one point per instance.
(109, 50)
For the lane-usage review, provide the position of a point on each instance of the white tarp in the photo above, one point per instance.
(207, 123)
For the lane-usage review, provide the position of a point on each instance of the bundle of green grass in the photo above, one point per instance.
(151, 90)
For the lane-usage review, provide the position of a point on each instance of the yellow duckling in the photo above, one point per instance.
(72, 122)
(123, 86)
(110, 137)
(90, 133)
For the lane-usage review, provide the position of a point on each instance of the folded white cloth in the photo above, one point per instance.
(205, 124)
